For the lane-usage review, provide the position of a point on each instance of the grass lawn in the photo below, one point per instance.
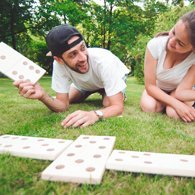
(136, 131)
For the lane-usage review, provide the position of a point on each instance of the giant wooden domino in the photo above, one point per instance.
(33, 147)
(17, 67)
(85, 159)
(153, 163)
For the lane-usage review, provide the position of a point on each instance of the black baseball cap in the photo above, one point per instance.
(57, 39)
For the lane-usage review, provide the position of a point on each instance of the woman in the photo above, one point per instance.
(169, 71)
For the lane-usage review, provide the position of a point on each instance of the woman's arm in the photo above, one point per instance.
(184, 90)
(150, 81)
(185, 112)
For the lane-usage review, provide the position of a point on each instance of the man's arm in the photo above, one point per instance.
(35, 91)
(85, 118)
(58, 104)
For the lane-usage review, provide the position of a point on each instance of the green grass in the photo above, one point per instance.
(136, 131)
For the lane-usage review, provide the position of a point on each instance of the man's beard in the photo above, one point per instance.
(76, 69)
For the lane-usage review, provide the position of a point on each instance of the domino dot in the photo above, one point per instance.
(85, 137)
(50, 149)
(26, 147)
(147, 162)
(183, 160)
(78, 146)
(31, 67)
(70, 154)
(45, 144)
(25, 63)
(79, 161)
(7, 146)
(90, 169)
(61, 142)
(21, 77)
(121, 152)
(119, 159)
(2, 57)
(147, 154)
(14, 72)
(97, 156)
(24, 138)
(60, 166)
(28, 80)
(92, 142)
(37, 71)
(134, 156)
(102, 147)
(14, 137)
(5, 136)
(40, 140)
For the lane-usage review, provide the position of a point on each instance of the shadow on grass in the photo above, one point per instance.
(91, 102)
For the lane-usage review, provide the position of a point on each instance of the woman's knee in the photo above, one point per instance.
(148, 103)
(151, 105)
(171, 113)
(148, 106)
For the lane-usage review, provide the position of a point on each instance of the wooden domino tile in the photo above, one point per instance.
(18, 67)
(153, 163)
(33, 147)
(83, 161)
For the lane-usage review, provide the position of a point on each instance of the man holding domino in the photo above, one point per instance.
(78, 72)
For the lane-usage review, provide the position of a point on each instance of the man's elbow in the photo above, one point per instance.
(120, 110)
(60, 109)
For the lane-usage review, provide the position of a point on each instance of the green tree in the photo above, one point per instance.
(15, 20)
(178, 2)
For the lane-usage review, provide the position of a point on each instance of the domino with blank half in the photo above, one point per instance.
(84, 161)
(153, 163)
(33, 147)
(17, 67)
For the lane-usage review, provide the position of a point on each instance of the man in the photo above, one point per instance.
(78, 72)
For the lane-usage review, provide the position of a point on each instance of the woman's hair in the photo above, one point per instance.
(189, 19)
(166, 33)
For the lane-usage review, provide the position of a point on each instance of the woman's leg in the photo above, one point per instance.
(150, 104)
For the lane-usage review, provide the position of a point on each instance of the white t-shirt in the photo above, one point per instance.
(168, 79)
(105, 71)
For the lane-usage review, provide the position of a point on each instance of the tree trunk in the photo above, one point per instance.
(12, 26)
(110, 27)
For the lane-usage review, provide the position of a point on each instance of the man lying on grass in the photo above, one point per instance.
(77, 73)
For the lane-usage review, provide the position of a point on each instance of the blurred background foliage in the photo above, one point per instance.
(122, 26)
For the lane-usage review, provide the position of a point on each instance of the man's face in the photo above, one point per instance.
(76, 58)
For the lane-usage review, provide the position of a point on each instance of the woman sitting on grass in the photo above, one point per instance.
(169, 71)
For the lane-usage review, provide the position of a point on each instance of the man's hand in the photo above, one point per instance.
(29, 90)
(80, 118)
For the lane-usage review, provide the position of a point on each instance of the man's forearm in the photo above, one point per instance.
(54, 104)
(113, 110)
